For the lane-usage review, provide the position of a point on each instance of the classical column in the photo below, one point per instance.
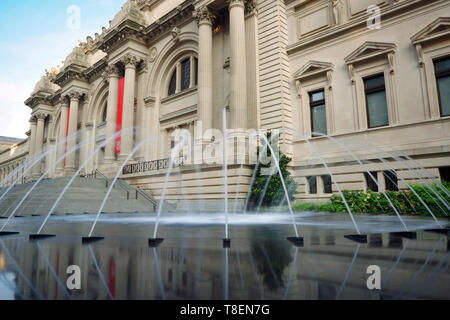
(39, 141)
(112, 74)
(73, 128)
(126, 145)
(32, 140)
(238, 65)
(61, 149)
(140, 112)
(88, 146)
(205, 67)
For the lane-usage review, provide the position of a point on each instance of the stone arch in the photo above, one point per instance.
(188, 42)
(95, 108)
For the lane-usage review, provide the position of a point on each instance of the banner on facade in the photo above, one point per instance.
(119, 114)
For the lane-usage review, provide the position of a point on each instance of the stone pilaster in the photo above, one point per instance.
(40, 116)
(61, 149)
(131, 62)
(238, 64)
(112, 74)
(73, 128)
(140, 112)
(205, 66)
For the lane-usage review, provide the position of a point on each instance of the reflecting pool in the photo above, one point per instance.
(192, 264)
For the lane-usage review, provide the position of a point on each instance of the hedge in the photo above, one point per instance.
(371, 202)
(406, 201)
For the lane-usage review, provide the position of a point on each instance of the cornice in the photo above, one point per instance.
(125, 31)
(95, 71)
(165, 24)
(72, 72)
(359, 22)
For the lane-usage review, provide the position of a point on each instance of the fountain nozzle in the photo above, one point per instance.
(155, 242)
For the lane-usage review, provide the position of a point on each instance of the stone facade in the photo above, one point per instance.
(262, 59)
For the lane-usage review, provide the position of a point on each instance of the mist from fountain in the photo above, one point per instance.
(412, 189)
(38, 158)
(403, 162)
(108, 140)
(175, 150)
(74, 149)
(139, 145)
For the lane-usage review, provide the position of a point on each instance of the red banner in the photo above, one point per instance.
(67, 133)
(119, 114)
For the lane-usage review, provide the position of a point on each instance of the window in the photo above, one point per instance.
(173, 83)
(104, 114)
(327, 184)
(442, 69)
(372, 182)
(318, 112)
(185, 74)
(445, 174)
(391, 180)
(312, 184)
(377, 110)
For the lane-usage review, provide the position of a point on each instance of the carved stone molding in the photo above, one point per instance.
(33, 120)
(41, 116)
(143, 66)
(75, 96)
(130, 61)
(111, 71)
(236, 3)
(204, 16)
(251, 7)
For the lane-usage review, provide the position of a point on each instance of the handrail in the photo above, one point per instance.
(122, 183)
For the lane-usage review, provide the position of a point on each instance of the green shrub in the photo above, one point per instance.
(406, 202)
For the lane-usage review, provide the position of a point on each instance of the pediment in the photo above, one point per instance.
(313, 68)
(370, 50)
(437, 29)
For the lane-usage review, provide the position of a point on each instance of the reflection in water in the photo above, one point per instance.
(260, 265)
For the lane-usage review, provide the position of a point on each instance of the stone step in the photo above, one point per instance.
(83, 196)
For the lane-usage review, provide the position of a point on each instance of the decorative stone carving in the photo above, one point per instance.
(75, 95)
(176, 34)
(41, 116)
(33, 119)
(143, 66)
(153, 54)
(337, 11)
(130, 61)
(233, 3)
(251, 7)
(203, 15)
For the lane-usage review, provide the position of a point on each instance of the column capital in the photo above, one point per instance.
(204, 16)
(33, 120)
(130, 61)
(236, 3)
(251, 7)
(63, 102)
(41, 116)
(111, 71)
(143, 66)
(75, 96)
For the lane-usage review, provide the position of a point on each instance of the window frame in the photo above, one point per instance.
(192, 59)
(439, 75)
(375, 90)
(313, 104)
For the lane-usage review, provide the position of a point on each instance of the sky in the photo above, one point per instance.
(38, 35)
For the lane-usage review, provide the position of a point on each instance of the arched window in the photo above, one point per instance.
(184, 76)
(104, 113)
(173, 83)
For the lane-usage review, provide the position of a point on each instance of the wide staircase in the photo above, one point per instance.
(84, 196)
